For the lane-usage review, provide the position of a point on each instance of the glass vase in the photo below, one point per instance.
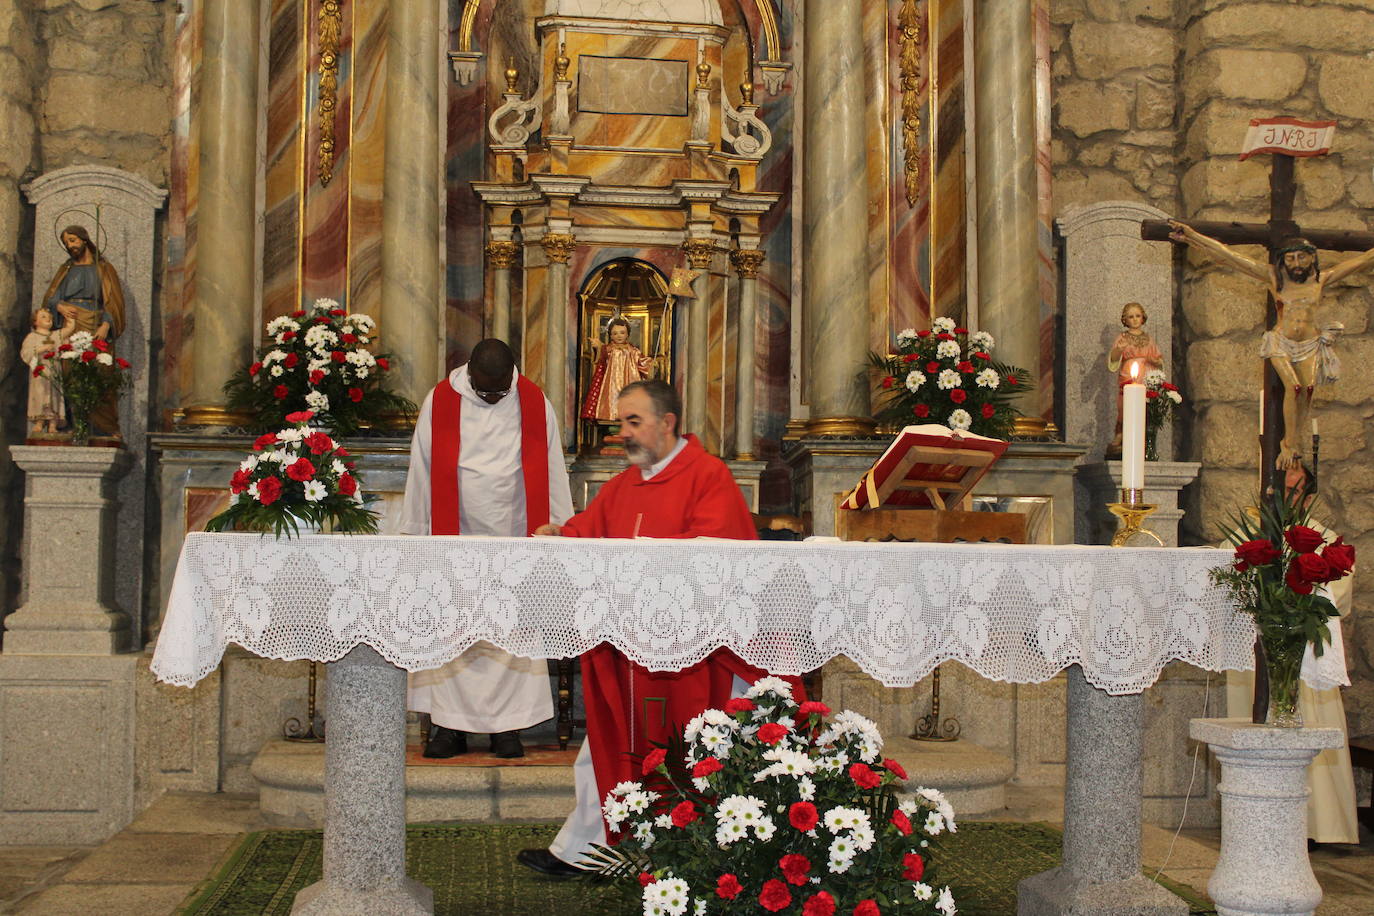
(81, 426)
(1283, 654)
(1151, 443)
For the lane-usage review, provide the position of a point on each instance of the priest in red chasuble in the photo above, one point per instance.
(486, 459)
(672, 489)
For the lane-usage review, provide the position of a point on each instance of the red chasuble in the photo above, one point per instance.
(694, 496)
(445, 438)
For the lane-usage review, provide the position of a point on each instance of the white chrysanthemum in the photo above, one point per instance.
(638, 802)
(698, 907)
(615, 812)
(842, 847)
(946, 902)
(320, 336)
(360, 321)
(290, 435)
(906, 337)
(319, 365)
(622, 789)
(806, 789)
(1154, 377)
(315, 491)
(948, 379)
(934, 825)
(938, 799)
(274, 356)
(644, 832)
(988, 378)
(923, 891)
(869, 750)
(654, 907)
(1174, 396)
(252, 491)
(325, 305)
(908, 806)
(717, 741)
(765, 829)
(773, 685)
(277, 372)
(960, 419)
(983, 341)
(664, 821)
(914, 380)
(835, 820)
(719, 718)
(789, 762)
(281, 324)
(248, 463)
(700, 784)
(863, 838)
(81, 340)
(360, 372)
(273, 455)
(839, 866)
(317, 400)
(947, 349)
(68, 354)
(105, 359)
(943, 325)
(730, 831)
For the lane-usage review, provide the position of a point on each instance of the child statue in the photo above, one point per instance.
(46, 406)
(1133, 346)
(615, 365)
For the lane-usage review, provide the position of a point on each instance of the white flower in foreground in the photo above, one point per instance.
(960, 419)
(315, 491)
(806, 789)
(906, 336)
(948, 379)
(105, 359)
(923, 891)
(644, 832)
(773, 685)
(274, 356)
(982, 340)
(248, 463)
(943, 325)
(934, 825)
(946, 902)
(1154, 377)
(839, 866)
(988, 378)
(1174, 396)
(664, 822)
(765, 829)
(915, 380)
(947, 349)
(81, 340)
(729, 831)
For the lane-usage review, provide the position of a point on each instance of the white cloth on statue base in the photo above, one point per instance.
(1331, 804)
(486, 689)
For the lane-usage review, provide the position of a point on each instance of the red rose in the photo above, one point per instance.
(350, 338)
(291, 360)
(772, 732)
(684, 814)
(347, 485)
(1303, 539)
(888, 381)
(922, 334)
(255, 368)
(988, 411)
(300, 416)
(239, 482)
(932, 367)
(921, 410)
(317, 376)
(794, 868)
(706, 767)
(341, 452)
(775, 896)
(383, 363)
(901, 822)
(318, 443)
(803, 815)
(266, 439)
(739, 704)
(1258, 552)
(863, 776)
(653, 760)
(958, 395)
(288, 335)
(895, 768)
(965, 367)
(279, 392)
(337, 313)
(728, 887)
(101, 345)
(269, 488)
(645, 879)
(914, 867)
(867, 908)
(813, 708)
(355, 395)
(89, 356)
(1340, 556)
(337, 356)
(301, 469)
(820, 905)
(1295, 580)
(1151, 394)
(121, 362)
(1312, 567)
(298, 313)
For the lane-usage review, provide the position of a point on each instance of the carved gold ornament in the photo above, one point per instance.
(501, 253)
(559, 246)
(746, 262)
(909, 20)
(699, 252)
(330, 26)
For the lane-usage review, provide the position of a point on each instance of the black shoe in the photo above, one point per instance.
(446, 742)
(546, 863)
(506, 745)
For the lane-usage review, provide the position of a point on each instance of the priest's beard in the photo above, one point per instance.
(639, 456)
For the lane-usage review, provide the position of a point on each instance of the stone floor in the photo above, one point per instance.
(151, 866)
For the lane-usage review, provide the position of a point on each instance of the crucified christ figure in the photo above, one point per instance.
(1301, 350)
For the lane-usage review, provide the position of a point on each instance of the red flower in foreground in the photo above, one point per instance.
(291, 360)
(863, 776)
(288, 335)
(794, 868)
(1312, 567)
(867, 908)
(37, 371)
(895, 768)
(813, 708)
(706, 767)
(1169, 386)
(944, 335)
(820, 905)
(1151, 394)
(913, 867)
(684, 814)
(774, 896)
(1259, 552)
(772, 732)
(338, 356)
(653, 760)
(910, 358)
(922, 334)
(316, 376)
(965, 366)
(803, 815)
(645, 879)
(89, 356)
(280, 392)
(1340, 556)
(269, 488)
(239, 482)
(888, 381)
(1296, 582)
(301, 469)
(355, 395)
(255, 369)
(347, 485)
(383, 363)
(350, 338)
(961, 330)
(958, 395)
(1011, 380)
(932, 367)
(64, 348)
(266, 439)
(901, 822)
(988, 411)
(300, 416)
(318, 443)
(739, 704)
(728, 887)
(101, 345)
(298, 313)
(337, 313)
(981, 355)
(1303, 539)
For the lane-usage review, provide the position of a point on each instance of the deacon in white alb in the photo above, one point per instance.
(486, 459)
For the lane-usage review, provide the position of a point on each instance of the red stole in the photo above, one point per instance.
(445, 439)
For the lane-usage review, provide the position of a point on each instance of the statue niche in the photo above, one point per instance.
(626, 335)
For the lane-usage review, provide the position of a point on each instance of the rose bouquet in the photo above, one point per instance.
(765, 806)
(1281, 564)
(318, 360)
(1161, 397)
(87, 373)
(294, 476)
(948, 376)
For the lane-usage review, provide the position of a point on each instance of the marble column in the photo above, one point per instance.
(835, 217)
(222, 310)
(501, 254)
(746, 262)
(411, 323)
(559, 248)
(1008, 226)
(700, 252)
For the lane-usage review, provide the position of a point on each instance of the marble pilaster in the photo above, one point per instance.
(411, 320)
(501, 254)
(1007, 219)
(835, 220)
(746, 262)
(700, 253)
(226, 221)
(559, 247)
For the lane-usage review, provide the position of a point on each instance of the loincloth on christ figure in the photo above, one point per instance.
(1323, 347)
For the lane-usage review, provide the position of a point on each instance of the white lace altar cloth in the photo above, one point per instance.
(1011, 613)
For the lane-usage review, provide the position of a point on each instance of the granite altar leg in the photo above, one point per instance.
(365, 798)
(1101, 870)
(1263, 869)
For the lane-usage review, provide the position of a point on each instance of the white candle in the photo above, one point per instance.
(1314, 427)
(1133, 433)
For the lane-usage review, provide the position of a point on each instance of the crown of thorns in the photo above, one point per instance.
(1295, 245)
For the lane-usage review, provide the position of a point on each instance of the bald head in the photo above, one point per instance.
(491, 367)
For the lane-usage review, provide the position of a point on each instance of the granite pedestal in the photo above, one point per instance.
(1263, 869)
(1099, 483)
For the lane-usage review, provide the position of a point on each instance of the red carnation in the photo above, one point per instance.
(820, 905)
(1259, 552)
(684, 814)
(645, 879)
(895, 768)
(337, 313)
(300, 416)
(255, 368)
(932, 367)
(981, 355)
(944, 335)
(318, 443)
(321, 320)
(867, 908)
(902, 823)
(803, 815)
(37, 371)
(1011, 380)
(347, 485)
(121, 362)
(988, 411)
(316, 376)
(913, 867)
(383, 363)
(921, 410)
(706, 767)
(89, 356)
(301, 469)
(910, 358)
(269, 488)
(350, 338)
(863, 776)
(923, 334)
(965, 366)
(813, 708)
(64, 348)
(888, 381)
(794, 868)
(728, 887)
(1340, 556)
(355, 395)
(739, 704)
(50, 354)
(266, 439)
(772, 732)
(298, 313)
(1151, 394)
(279, 392)
(291, 360)
(337, 356)
(774, 896)
(342, 452)
(288, 335)
(1303, 539)
(239, 482)
(961, 330)
(101, 345)
(653, 760)
(1169, 386)
(958, 395)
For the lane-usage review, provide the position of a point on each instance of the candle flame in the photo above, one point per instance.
(1135, 370)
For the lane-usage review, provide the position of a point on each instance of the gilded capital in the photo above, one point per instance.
(559, 246)
(746, 262)
(502, 253)
(699, 252)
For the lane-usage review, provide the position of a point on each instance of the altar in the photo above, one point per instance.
(376, 607)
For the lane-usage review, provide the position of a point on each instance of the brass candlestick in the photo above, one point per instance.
(1132, 510)
(293, 730)
(932, 727)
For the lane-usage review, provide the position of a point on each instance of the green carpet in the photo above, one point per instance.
(472, 869)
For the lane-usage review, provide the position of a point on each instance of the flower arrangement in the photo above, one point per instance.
(1281, 563)
(297, 475)
(948, 376)
(318, 361)
(87, 373)
(764, 806)
(1161, 397)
